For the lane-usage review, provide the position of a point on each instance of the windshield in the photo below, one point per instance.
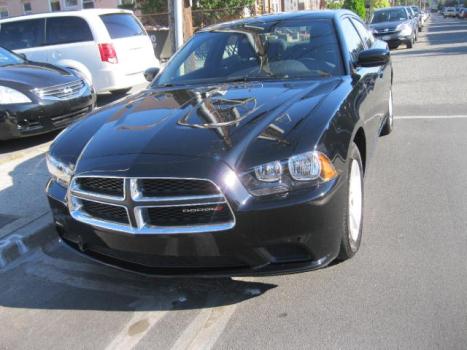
(416, 9)
(7, 58)
(257, 51)
(394, 15)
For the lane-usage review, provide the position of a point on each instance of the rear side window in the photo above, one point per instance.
(122, 25)
(63, 30)
(22, 34)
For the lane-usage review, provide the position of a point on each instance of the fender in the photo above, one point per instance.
(77, 66)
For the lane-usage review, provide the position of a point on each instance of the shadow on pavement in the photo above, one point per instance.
(57, 278)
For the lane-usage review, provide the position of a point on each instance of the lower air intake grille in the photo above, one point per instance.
(190, 215)
(105, 211)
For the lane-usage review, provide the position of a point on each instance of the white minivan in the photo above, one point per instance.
(109, 47)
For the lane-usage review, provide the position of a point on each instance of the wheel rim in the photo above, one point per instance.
(355, 203)
(391, 115)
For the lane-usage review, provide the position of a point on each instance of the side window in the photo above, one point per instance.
(354, 43)
(22, 34)
(365, 34)
(63, 30)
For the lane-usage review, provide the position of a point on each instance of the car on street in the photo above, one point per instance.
(394, 25)
(245, 155)
(463, 12)
(419, 15)
(109, 47)
(415, 20)
(36, 98)
(449, 12)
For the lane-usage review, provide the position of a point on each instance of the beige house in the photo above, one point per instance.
(287, 5)
(11, 8)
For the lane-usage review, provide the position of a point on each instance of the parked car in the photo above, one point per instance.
(449, 12)
(110, 47)
(418, 14)
(37, 97)
(463, 12)
(245, 155)
(415, 20)
(394, 25)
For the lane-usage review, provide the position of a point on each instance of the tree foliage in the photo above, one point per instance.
(380, 3)
(357, 6)
(334, 4)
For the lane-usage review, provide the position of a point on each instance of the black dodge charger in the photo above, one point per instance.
(244, 156)
(37, 97)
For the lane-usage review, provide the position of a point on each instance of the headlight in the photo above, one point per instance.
(298, 171)
(59, 171)
(405, 29)
(11, 96)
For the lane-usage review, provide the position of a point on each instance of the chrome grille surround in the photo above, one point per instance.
(65, 91)
(136, 206)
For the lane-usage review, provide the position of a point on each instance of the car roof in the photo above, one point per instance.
(80, 13)
(281, 16)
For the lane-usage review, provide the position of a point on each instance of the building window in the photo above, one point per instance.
(71, 4)
(3, 12)
(88, 4)
(55, 5)
(126, 2)
(27, 8)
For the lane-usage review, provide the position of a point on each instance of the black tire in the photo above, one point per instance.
(409, 44)
(120, 91)
(349, 247)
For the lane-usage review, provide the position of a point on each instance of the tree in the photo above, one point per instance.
(334, 4)
(380, 3)
(357, 6)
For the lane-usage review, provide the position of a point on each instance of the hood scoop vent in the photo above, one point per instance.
(216, 112)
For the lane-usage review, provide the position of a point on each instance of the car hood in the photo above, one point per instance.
(390, 25)
(220, 122)
(34, 75)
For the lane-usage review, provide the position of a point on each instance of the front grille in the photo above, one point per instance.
(188, 215)
(150, 205)
(108, 186)
(61, 92)
(176, 187)
(105, 211)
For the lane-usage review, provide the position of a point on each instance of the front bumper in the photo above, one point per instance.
(277, 235)
(42, 116)
(394, 39)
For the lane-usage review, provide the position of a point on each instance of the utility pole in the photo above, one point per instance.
(180, 22)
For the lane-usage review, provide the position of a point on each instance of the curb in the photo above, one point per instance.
(26, 238)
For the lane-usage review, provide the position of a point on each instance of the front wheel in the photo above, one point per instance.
(352, 233)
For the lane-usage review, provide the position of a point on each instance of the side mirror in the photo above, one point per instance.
(23, 56)
(150, 73)
(373, 57)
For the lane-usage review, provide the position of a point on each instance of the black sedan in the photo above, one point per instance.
(245, 156)
(37, 97)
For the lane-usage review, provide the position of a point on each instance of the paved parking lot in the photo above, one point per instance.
(405, 289)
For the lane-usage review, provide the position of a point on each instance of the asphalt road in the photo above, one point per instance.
(406, 288)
